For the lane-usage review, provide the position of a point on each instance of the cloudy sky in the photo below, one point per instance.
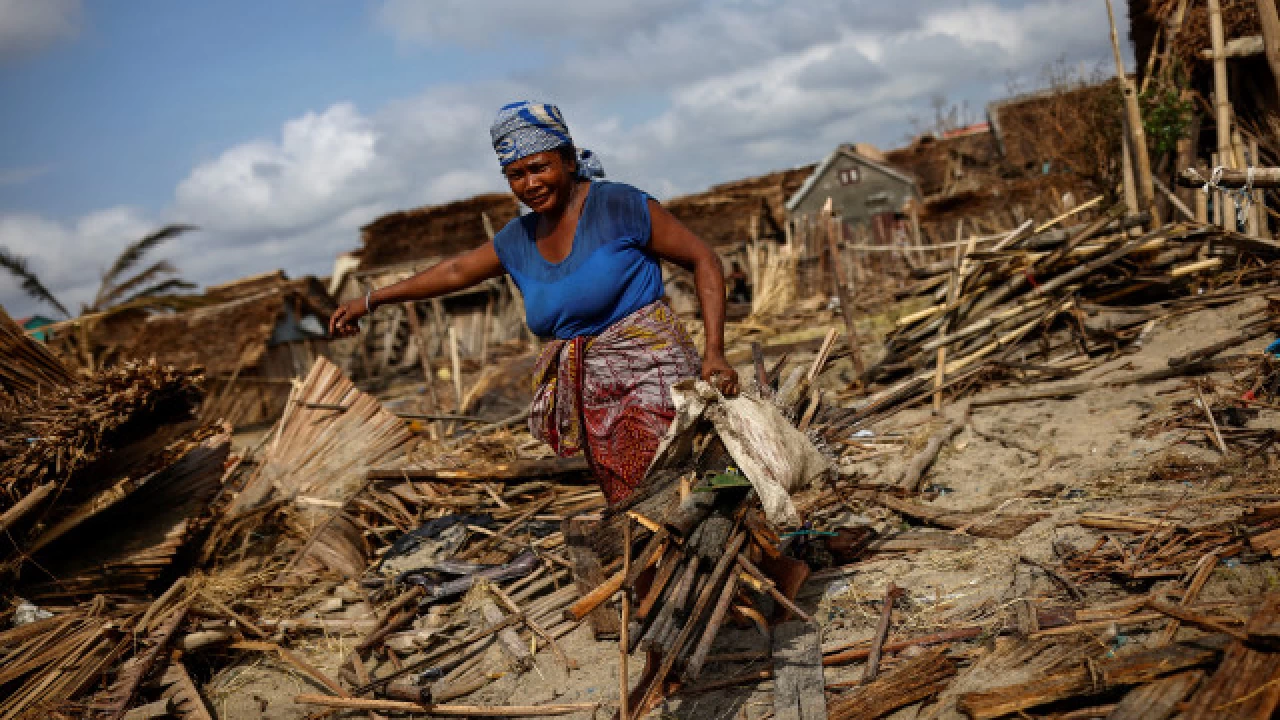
(280, 127)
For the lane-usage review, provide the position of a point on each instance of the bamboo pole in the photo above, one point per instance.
(1221, 102)
(1263, 177)
(1245, 160)
(1137, 135)
(1259, 197)
(1270, 21)
(457, 367)
(846, 303)
(1128, 183)
(953, 292)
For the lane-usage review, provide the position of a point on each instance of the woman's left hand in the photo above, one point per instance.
(717, 371)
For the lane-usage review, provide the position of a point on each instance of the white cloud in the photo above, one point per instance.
(29, 26)
(454, 22)
(322, 164)
(11, 176)
(69, 258)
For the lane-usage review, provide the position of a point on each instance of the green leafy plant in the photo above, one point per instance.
(1166, 116)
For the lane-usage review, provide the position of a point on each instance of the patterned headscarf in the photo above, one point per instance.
(525, 128)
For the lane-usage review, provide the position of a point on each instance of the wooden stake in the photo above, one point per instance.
(846, 304)
(1137, 135)
(624, 641)
(1217, 435)
(457, 367)
(416, 328)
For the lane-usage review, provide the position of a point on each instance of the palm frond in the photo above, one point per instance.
(31, 285)
(159, 290)
(110, 295)
(134, 252)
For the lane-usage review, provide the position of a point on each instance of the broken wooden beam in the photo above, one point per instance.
(1092, 679)
(797, 668)
(891, 595)
(912, 681)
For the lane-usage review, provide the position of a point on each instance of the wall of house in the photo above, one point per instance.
(874, 192)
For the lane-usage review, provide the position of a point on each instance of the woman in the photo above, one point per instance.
(586, 260)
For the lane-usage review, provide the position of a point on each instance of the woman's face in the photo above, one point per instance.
(543, 181)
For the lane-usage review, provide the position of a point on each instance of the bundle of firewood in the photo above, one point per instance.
(703, 551)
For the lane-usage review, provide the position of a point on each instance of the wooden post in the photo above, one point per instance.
(1221, 102)
(1137, 135)
(416, 328)
(1241, 160)
(457, 367)
(1259, 197)
(1186, 154)
(1126, 165)
(917, 253)
(484, 332)
(846, 307)
(1270, 21)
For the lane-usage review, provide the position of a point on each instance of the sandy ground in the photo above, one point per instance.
(1063, 457)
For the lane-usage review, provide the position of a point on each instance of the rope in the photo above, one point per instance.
(1242, 198)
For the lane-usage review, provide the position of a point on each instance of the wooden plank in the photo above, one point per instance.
(1133, 669)
(1245, 686)
(1157, 700)
(797, 668)
(588, 574)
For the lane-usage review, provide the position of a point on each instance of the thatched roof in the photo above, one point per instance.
(723, 215)
(941, 165)
(29, 369)
(229, 335)
(1072, 127)
(433, 231)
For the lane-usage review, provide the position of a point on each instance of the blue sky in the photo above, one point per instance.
(280, 127)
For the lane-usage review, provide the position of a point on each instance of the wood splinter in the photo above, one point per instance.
(891, 596)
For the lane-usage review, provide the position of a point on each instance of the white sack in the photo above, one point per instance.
(777, 458)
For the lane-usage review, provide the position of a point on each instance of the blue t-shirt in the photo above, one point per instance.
(608, 274)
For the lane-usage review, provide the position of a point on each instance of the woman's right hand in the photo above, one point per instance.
(345, 321)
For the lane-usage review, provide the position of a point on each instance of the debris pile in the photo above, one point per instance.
(1048, 306)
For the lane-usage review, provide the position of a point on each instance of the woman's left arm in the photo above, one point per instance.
(670, 240)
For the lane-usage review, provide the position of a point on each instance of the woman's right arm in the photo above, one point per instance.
(456, 273)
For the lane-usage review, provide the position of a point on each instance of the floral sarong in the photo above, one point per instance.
(610, 395)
